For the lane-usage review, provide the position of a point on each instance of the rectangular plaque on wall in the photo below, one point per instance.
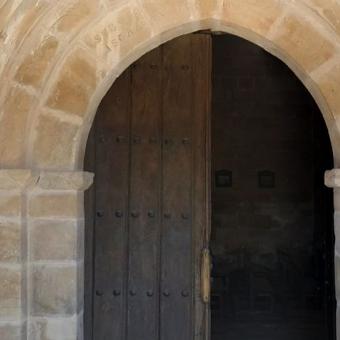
(223, 179)
(266, 179)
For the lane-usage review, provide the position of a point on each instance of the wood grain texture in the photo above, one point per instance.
(151, 197)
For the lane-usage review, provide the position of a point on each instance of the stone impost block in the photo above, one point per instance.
(332, 178)
(76, 181)
(58, 195)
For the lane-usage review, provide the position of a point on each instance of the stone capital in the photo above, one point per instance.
(64, 180)
(332, 178)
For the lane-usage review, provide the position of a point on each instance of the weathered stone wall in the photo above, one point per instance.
(57, 60)
(41, 254)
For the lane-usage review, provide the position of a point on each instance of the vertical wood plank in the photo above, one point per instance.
(144, 231)
(202, 86)
(112, 174)
(176, 268)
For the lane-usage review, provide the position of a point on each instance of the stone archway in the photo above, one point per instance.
(57, 62)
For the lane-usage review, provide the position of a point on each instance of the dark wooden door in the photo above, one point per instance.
(147, 213)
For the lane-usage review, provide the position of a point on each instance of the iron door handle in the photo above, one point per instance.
(205, 275)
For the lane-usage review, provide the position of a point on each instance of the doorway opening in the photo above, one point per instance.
(272, 237)
(209, 142)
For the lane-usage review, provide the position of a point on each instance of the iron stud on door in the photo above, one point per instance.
(185, 293)
(135, 214)
(116, 293)
(100, 213)
(119, 214)
(151, 214)
(120, 139)
(137, 140)
(150, 293)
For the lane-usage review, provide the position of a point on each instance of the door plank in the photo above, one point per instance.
(176, 275)
(112, 165)
(202, 55)
(144, 231)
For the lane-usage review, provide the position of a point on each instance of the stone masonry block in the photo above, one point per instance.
(300, 39)
(54, 290)
(10, 205)
(56, 205)
(10, 292)
(55, 241)
(10, 242)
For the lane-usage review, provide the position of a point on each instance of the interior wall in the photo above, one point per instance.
(265, 120)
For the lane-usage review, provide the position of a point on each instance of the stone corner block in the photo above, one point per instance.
(16, 179)
(76, 181)
(332, 178)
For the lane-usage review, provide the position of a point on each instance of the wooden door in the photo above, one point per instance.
(147, 213)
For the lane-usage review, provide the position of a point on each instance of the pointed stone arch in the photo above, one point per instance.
(60, 58)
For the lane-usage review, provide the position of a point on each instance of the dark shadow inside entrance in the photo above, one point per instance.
(272, 225)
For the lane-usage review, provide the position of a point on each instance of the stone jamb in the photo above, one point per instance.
(13, 290)
(56, 254)
(332, 180)
(43, 291)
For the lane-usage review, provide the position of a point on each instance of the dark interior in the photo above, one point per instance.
(272, 229)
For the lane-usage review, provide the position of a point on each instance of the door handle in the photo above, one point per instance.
(205, 275)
